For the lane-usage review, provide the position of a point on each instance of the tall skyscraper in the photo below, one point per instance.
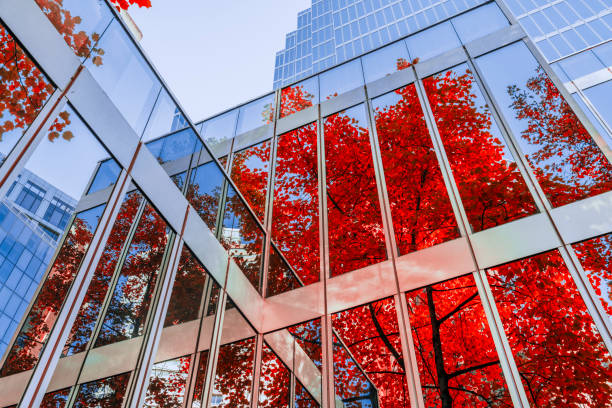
(429, 224)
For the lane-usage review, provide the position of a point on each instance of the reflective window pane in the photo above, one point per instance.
(299, 96)
(341, 79)
(457, 361)
(303, 399)
(243, 237)
(490, 185)
(219, 128)
(31, 339)
(356, 237)
(167, 383)
(174, 146)
(274, 382)
(370, 335)
(556, 346)
(204, 192)
(385, 61)
(56, 399)
(234, 377)
(595, 256)
(479, 22)
(433, 41)
(281, 278)
(566, 161)
(89, 313)
(250, 169)
(125, 76)
(255, 114)
(295, 216)
(308, 338)
(131, 298)
(24, 89)
(599, 96)
(108, 392)
(106, 176)
(165, 118)
(421, 210)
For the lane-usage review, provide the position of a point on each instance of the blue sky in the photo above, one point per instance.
(216, 54)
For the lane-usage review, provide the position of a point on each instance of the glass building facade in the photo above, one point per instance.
(427, 225)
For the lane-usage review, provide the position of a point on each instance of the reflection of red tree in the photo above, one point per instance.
(235, 373)
(274, 381)
(456, 356)
(559, 352)
(596, 258)
(167, 384)
(106, 393)
(250, 174)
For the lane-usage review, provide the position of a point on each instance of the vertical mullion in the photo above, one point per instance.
(257, 370)
(409, 353)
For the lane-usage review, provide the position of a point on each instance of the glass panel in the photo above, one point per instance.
(479, 22)
(56, 399)
(556, 346)
(255, 114)
(303, 398)
(420, 207)
(281, 278)
(174, 146)
(299, 96)
(599, 96)
(581, 64)
(106, 176)
(341, 79)
(125, 76)
(457, 361)
(24, 89)
(370, 334)
(200, 376)
(566, 161)
(295, 217)
(243, 237)
(274, 382)
(351, 384)
(185, 302)
(131, 298)
(179, 180)
(250, 168)
(596, 258)
(385, 61)
(31, 339)
(83, 327)
(167, 383)
(433, 41)
(308, 338)
(80, 22)
(204, 192)
(220, 128)
(166, 118)
(234, 377)
(492, 188)
(356, 237)
(108, 392)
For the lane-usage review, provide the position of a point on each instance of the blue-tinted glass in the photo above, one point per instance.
(581, 64)
(586, 33)
(433, 41)
(174, 146)
(529, 26)
(574, 40)
(255, 114)
(599, 96)
(219, 128)
(547, 49)
(125, 76)
(341, 79)
(383, 62)
(107, 175)
(299, 96)
(589, 113)
(204, 191)
(560, 44)
(165, 118)
(604, 53)
(479, 22)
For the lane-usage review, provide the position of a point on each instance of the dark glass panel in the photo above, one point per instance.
(200, 376)
(56, 399)
(274, 382)
(24, 89)
(596, 258)
(243, 237)
(356, 237)
(308, 337)
(133, 291)
(186, 299)
(108, 392)
(85, 322)
(370, 334)
(556, 346)
(353, 388)
(204, 192)
(107, 175)
(167, 383)
(456, 356)
(303, 398)
(179, 180)
(234, 377)
(281, 278)
(566, 160)
(295, 218)
(421, 210)
(299, 96)
(250, 168)
(174, 146)
(490, 185)
(31, 339)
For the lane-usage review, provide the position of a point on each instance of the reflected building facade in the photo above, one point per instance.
(425, 225)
